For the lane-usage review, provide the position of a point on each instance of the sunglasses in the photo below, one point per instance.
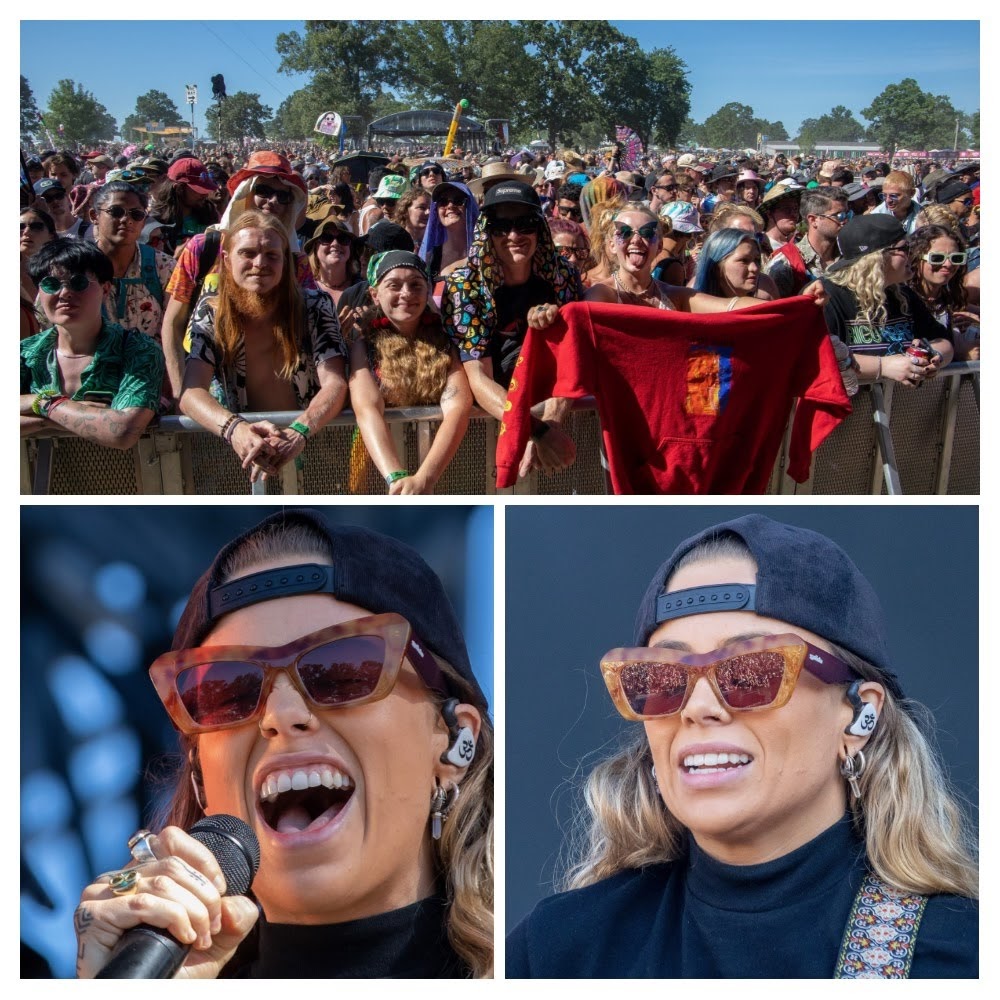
(571, 210)
(354, 663)
(648, 232)
(54, 195)
(747, 676)
(117, 213)
(133, 176)
(35, 227)
(665, 187)
(967, 202)
(75, 283)
(577, 253)
(455, 200)
(431, 171)
(840, 217)
(344, 239)
(281, 195)
(901, 249)
(523, 225)
(937, 259)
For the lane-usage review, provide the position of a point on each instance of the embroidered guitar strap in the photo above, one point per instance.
(881, 932)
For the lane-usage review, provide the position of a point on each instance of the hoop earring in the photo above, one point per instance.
(851, 769)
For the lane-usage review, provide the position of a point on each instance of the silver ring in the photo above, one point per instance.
(138, 844)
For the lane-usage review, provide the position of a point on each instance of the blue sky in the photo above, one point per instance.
(786, 70)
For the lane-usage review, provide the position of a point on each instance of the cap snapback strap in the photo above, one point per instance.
(699, 600)
(305, 578)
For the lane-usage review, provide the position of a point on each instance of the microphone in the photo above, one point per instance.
(145, 952)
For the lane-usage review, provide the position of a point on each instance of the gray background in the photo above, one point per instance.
(575, 576)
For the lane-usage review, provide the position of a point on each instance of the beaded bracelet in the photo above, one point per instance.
(394, 476)
(299, 427)
(229, 426)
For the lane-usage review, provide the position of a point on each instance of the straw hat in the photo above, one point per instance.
(492, 173)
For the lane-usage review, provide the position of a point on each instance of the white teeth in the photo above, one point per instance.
(715, 760)
(283, 781)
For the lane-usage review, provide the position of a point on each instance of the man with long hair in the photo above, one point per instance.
(268, 344)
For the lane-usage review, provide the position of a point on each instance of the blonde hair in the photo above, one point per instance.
(900, 179)
(937, 215)
(723, 214)
(916, 834)
(289, 309)
(865, 278)
(412, 371)
(464, 854)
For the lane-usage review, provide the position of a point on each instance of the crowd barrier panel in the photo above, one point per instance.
(913, 441)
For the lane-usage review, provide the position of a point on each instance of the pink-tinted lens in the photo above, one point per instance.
(343, 671)
(654, 688)
(225, 693)
(751, 680)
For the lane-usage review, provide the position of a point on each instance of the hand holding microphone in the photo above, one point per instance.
(182, 913)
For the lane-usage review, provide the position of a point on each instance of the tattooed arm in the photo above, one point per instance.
(100, 424)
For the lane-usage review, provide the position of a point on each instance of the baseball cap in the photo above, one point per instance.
(47, 184)
(683, 216)
(512, 193)
(865, 234)
(369, 569)
(192, 172)
(803, 578)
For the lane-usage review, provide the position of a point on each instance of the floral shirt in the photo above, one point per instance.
(321, 340)
(142, 310)
(127, 365)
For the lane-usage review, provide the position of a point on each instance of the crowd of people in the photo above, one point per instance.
(225, 285)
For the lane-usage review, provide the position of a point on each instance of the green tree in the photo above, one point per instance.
(350, 62)
(904, 116)
(648, 91)
(82, 117)
(689, 133)
(974, 130)
(775, 131)
(837, 125)
(241, 114)
(731, 127)
(31, 118)
(437, 63)
(153, 106)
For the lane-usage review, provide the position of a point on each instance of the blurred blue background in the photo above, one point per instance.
(575, 577)
(101, 590)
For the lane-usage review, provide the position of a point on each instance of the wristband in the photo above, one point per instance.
(45, 399)
(394, 476)
(539, 428)
(299, 427)
(229, 426)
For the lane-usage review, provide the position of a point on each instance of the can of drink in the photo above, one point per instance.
(919, 352)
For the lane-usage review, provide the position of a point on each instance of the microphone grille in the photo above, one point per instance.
(235, 847)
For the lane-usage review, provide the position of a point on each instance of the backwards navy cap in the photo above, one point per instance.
(803, 578)
(369, 569)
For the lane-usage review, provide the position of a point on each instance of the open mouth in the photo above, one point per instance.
(712, 763)
(291, 802)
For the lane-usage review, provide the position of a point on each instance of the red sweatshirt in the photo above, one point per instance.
(688, 403)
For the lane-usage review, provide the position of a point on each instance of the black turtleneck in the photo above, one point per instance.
(410, 943)
(698, 917)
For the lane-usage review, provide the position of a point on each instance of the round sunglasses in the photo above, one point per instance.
(649, 232)
(75, 283)
(118, 213)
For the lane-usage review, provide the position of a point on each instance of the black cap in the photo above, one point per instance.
(951, 189)
(721, 172)
(374, 571)
(865, 234)
(385, 235)
(512, 193)
(390, 260)
(803, 578)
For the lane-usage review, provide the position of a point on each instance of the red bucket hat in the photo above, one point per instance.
(265, 162)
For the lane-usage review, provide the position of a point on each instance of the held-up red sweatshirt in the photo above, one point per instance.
(688, 403)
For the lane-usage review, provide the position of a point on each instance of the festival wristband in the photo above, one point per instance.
(45, 399)
(299, 428)
(394, 476)
(539, 428)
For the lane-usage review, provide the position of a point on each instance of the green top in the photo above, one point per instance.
(126, 363)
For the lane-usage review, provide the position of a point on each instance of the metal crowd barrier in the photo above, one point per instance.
(896, 441)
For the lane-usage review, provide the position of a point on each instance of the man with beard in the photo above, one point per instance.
(267, 345)
(267, 184)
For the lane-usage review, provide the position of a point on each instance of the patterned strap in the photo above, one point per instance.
(881, 932)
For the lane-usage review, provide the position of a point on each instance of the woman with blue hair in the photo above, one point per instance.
(729, 266)
(450, 228)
